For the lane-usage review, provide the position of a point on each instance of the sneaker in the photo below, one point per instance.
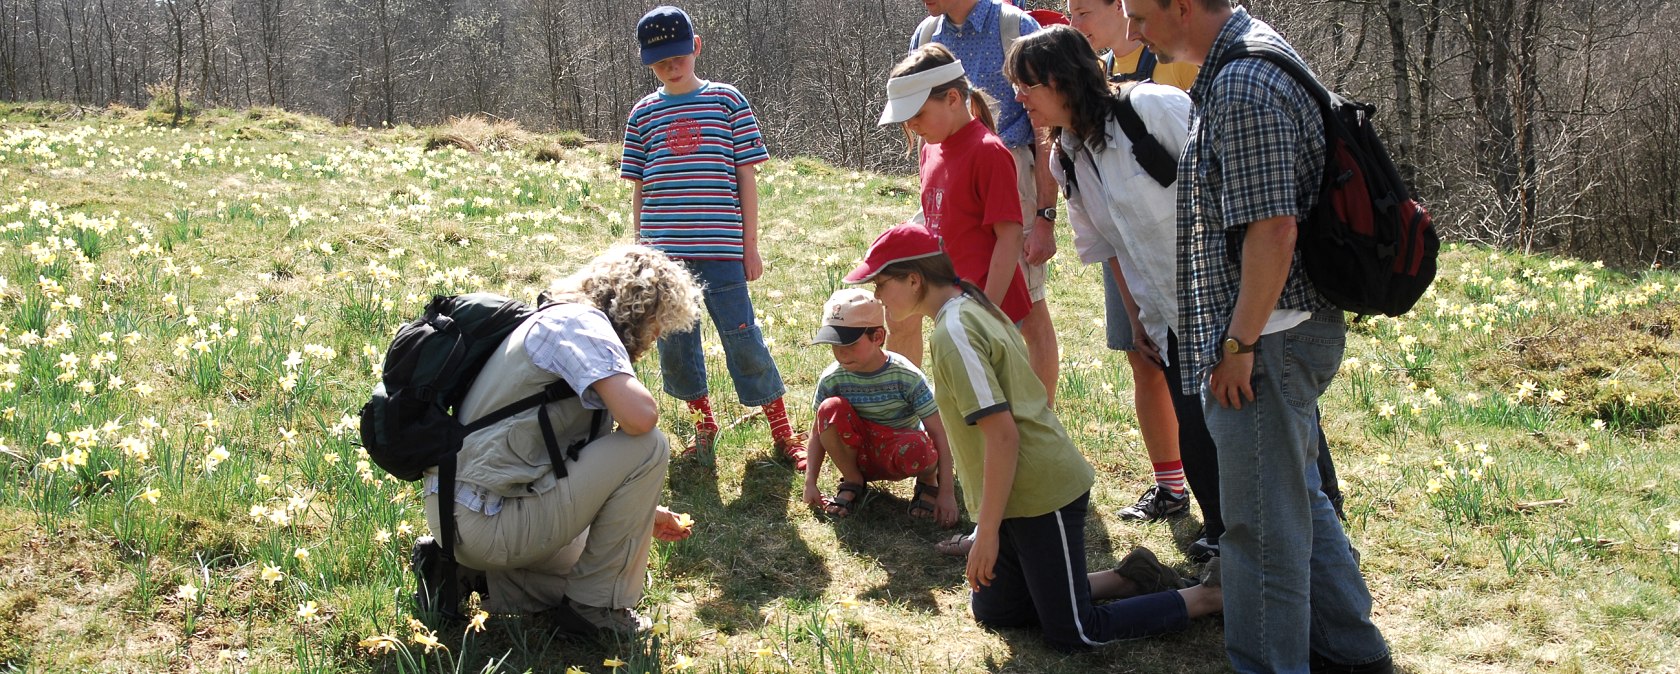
(1155, 504)
(620, 621)
(1202, 551)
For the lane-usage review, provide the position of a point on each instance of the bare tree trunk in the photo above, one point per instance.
(1399, 62)
(180, 27)
(1528, 89)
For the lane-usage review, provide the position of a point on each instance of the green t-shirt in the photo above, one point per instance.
(895, 396)
(979, 366)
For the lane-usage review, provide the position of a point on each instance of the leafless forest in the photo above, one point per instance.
(1538, 125)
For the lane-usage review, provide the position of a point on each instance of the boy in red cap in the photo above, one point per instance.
(875, 416)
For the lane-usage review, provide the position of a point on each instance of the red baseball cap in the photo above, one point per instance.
(1048, 17)
(900, 243)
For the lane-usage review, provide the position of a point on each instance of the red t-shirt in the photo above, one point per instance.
(968, 186)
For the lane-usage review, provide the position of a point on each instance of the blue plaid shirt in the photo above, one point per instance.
(978, 43)
(1256, 151)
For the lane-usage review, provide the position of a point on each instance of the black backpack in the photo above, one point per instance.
(1367, 245)
(410, 423)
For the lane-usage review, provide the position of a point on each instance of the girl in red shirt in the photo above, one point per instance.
(969, 199)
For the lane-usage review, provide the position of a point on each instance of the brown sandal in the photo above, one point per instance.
(922, 508)
(840, 506)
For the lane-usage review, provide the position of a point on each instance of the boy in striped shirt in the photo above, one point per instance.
(692, 148)
(876, 418)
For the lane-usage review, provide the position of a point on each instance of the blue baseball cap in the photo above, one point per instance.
(664, 32)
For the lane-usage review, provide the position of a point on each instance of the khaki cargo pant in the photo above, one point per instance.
(588, 538)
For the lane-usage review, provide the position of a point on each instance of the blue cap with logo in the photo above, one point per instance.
(664, 32)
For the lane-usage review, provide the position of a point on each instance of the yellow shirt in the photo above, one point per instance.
(1180, 75)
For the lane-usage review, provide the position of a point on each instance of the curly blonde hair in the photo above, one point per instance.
(643, 293)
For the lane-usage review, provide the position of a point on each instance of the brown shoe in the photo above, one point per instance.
(1147, 573)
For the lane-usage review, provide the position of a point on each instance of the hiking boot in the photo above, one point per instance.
(1210, 574)
(426, 561)
(1202, 551)
(1147, 573)
(621, 621)
(1155, 504)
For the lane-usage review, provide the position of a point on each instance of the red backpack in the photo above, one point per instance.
(1367, 245)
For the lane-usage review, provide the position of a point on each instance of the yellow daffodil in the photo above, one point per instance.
(427, 640)
(476, 624)
(1384, 459)
(150, 496)
(762, 651)
(660, 629)
(1433, 486)
(682, 663)
(301, 555)
(380, 644)
(186, 592)
(307, 610)
(271, 574)
(685, 521)
(574, 669)
(612, 663)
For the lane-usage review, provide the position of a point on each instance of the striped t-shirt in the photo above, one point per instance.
(896, 396)
(685, 151)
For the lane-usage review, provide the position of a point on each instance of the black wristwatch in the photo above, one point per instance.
(1233, 346)
(1046, 213)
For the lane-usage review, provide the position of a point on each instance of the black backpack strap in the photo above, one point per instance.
(1150, 154)
(1146, 65)
(449, 595)
(1290, 65)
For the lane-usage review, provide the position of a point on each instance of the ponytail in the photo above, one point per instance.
(936, 270)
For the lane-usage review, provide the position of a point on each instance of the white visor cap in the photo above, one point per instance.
(906, 94)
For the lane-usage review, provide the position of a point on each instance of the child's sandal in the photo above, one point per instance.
(922, 508)
(840, 507)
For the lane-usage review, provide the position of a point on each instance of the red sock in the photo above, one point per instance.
(702, 407)
(780, 428)
(1170, 474)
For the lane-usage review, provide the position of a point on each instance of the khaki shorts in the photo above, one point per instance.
(1028, 187)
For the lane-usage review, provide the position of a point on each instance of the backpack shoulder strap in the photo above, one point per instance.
(1009, 24)
(1150, 154)
(924, 31)
(1290, 65)
(1146, 65)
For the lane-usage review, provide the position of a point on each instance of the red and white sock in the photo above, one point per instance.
(776, 414)
(702, 408)
(1170, 474)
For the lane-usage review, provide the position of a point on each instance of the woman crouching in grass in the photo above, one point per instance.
(1029, 484)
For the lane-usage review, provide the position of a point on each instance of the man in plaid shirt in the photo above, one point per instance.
(1262, 343)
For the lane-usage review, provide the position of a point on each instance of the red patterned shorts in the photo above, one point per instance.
(883, 452)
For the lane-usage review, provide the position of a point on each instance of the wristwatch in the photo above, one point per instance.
(1046, 213)
(1233, 346)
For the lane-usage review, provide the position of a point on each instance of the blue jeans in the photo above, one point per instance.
(1292, 586)
(683, 360)
(1040, 582)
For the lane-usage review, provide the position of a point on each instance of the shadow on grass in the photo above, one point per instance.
(881, 530)
(752, 553)
(1201, 648)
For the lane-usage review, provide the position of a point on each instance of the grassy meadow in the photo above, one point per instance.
(189, 318)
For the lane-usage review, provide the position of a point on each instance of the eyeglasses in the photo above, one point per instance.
(1022, 91)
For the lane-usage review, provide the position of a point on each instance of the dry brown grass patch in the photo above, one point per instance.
(1619, 368)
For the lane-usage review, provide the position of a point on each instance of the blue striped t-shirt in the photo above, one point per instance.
(685, 150)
